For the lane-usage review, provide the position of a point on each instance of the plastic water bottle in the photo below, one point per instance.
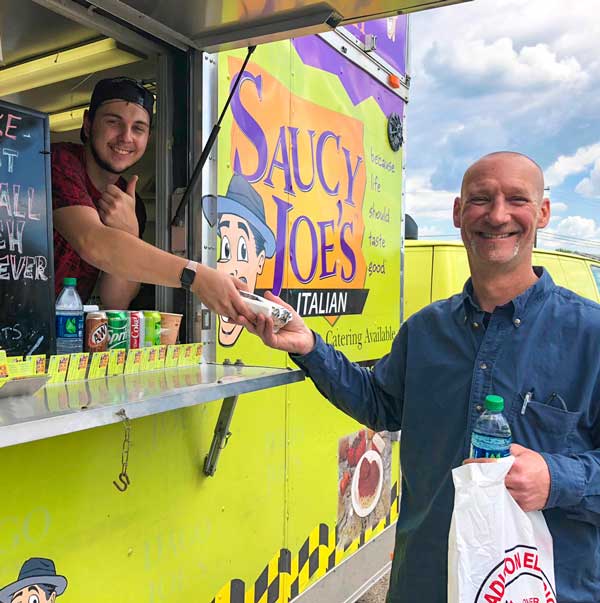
(69, 319)
(491, 437)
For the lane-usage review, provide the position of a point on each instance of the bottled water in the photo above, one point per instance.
(69, 319)
(491, 437)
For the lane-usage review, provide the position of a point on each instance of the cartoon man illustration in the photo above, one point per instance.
(37, 583)
(246, 241)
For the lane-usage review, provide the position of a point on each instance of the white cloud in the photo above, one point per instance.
(484, 68)
(558, 206)
(570, 29)
(422, 201)
(573, 232)
(590, 186)
(567, 165)
(578, 227)
(505, 74)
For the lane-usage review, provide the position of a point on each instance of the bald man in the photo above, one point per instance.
(511, 332)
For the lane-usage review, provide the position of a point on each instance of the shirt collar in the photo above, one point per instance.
(531, 298)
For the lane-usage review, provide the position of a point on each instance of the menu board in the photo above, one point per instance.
(26, 245)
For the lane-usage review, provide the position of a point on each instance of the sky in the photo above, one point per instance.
(521, 75)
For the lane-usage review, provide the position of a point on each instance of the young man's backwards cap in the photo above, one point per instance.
(119, 88)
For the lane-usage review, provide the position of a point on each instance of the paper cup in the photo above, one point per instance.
(169, 328)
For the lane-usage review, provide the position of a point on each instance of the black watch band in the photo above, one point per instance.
(187, 276)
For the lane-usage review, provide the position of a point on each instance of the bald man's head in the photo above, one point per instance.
(537, 174)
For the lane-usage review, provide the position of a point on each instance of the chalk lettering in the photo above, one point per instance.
(11, 155)
(15, 267)
(11, 126)
(11, 333)
(8, 118)
(14, 235)
(30, 201)
(41, 264)
(4, 263)
(5, 198)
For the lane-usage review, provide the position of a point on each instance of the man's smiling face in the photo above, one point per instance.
(500, 209)
(33, 594)
(238, 257)
(118, 135)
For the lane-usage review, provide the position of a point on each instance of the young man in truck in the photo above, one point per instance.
(98, 220)
(511, 332)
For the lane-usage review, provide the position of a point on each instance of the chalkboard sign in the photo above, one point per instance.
(26, 244)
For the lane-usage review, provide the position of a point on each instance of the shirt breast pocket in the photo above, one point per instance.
(542, 427)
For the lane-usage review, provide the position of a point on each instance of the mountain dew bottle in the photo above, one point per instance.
(69, 319)
(491, 437)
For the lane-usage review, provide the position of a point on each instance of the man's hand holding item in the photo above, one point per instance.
(528, 480)
(295, 337)
(219, 292)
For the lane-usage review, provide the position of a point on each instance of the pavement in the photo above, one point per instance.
(377, 592)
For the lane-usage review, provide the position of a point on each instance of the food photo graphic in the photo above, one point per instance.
(364, 482)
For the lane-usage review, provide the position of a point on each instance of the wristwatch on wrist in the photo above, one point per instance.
(188, 274)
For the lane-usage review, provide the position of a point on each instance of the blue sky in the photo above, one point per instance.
(507, 74)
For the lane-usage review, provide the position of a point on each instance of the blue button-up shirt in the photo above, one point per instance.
(543, 347)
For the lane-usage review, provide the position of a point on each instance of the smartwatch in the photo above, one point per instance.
(188, 274)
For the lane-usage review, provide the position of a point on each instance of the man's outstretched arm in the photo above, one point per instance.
(125, 256)
(372, 397)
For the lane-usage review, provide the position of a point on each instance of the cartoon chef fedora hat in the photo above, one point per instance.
(36, 570)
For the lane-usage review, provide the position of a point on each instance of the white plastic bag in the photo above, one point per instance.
(497, 553)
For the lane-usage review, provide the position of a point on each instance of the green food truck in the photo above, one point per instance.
(226, 477)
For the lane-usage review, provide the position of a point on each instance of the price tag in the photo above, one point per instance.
(58, 367)
(78, 366)
(99, 365)
(116, 362)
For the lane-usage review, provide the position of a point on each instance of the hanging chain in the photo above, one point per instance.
(123, 477)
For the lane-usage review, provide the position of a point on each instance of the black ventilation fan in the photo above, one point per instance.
(394, 128)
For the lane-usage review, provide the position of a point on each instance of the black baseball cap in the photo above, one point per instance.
(119, 88)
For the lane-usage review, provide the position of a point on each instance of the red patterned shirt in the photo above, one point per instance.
(72, 186)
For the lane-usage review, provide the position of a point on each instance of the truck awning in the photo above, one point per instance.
(214, 25)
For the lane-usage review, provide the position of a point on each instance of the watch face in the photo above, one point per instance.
(187, 278)
(394, 128)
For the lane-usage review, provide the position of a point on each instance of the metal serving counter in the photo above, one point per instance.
(64, 408)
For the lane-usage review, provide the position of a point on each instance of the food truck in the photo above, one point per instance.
(210, 469)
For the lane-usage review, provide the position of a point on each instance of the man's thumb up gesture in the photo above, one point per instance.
(131, 188)
(117, 208)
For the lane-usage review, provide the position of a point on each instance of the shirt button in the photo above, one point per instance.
(475, 325)
(483, 366)
(517, 322)
(479, 408)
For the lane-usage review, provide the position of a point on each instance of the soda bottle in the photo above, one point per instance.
(491, 437)
(69, 319)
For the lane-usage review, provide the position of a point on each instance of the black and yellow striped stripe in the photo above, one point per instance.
(286, 576)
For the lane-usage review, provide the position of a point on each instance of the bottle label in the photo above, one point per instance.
(489, 447)
(69, 327)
